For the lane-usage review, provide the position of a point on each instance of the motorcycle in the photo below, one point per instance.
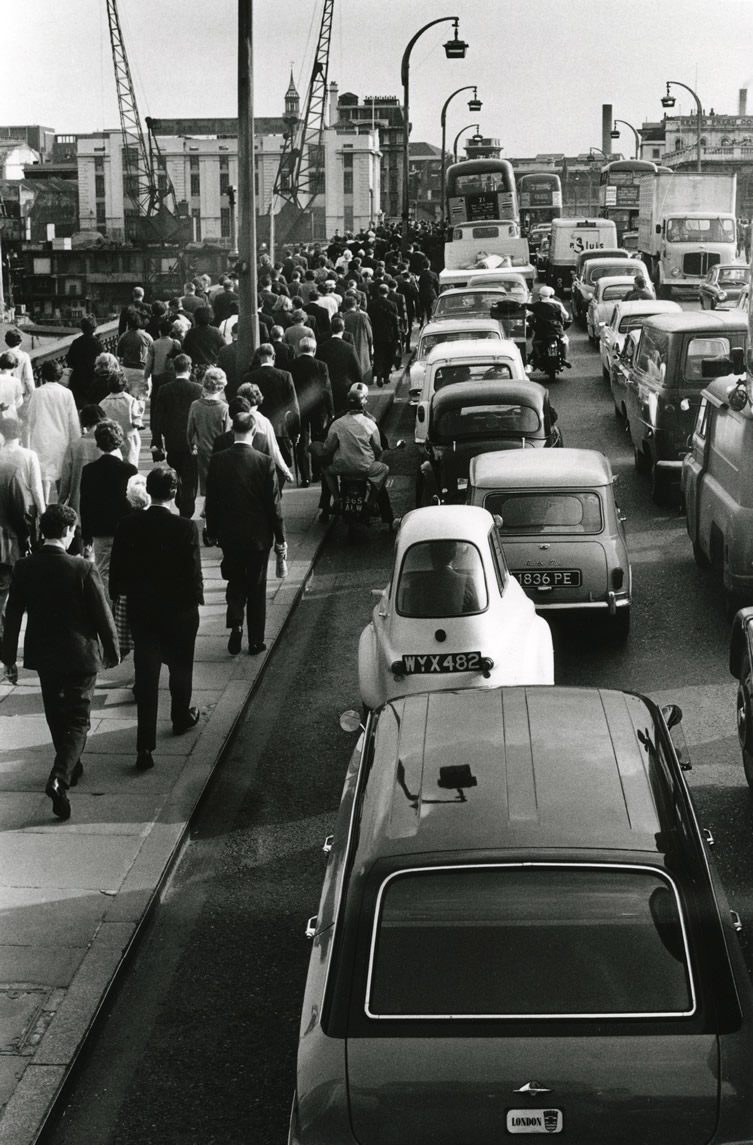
(547, 356)
(359, 501)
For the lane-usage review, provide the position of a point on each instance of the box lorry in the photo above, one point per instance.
(686, 224)
(571, 237)
(476, 246)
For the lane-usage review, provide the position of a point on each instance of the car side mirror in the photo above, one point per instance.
(672, 714)
(715, 367)
(350, 721)
(737, 358)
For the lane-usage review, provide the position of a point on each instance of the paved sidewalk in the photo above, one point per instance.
(73, 895)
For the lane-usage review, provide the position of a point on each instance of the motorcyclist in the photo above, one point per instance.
(353, 448)
(550, 318)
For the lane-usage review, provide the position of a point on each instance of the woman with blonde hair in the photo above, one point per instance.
(120, 406)
(207, 419)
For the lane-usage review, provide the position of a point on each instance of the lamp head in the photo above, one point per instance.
(475, 104)
(455, 49)
(614, 133)
(668, 100)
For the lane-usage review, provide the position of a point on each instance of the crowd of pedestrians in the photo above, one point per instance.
(101, 561)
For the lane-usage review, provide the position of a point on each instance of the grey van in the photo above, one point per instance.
(717, 487)
(664, 375)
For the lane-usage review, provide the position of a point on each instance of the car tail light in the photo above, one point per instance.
(618, 578)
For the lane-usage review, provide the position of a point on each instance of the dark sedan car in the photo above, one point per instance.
(520, 931)
(722, 285)
(476, 417)
(741, 667)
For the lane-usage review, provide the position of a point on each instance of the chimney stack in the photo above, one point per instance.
(742, 101)
(332, 113)
(606, 128)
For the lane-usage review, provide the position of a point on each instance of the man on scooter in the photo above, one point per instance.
(353, 449)
(550, 318)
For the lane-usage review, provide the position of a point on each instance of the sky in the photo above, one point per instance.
(543, 67)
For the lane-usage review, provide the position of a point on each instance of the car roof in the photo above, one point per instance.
(437, 325)
(438, 522)
(698, 320)
(555, 767)
(492, 276)
(589, 263)
(647, 306)
(470, 288)
(518, 390)
(472, 348)
(555, 468)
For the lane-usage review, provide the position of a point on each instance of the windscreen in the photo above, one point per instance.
(530, 514)
(527, 942)
(429, 341)
(700, 230)
(450, 374)
(476, 303)
(493, 420)
(441, 578)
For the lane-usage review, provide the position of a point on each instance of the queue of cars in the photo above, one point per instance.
(521, 929)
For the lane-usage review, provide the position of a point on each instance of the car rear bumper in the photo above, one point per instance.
(612, 605)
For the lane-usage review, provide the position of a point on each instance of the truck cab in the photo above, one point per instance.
(690, 245)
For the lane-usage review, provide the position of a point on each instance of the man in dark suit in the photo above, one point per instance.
(156, 565)
(244, 516)
(280, 401)
(340, 359)
(314, 393)
(103, 500)
(67, 618)
(170, 431)
(384, 322)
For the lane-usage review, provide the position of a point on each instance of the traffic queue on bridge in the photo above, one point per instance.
(521, 928)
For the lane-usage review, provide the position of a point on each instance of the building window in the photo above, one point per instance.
(225, 222)
(99, 186)
(193, 163)
(99, 163)
(162, 182)
(224, 181)
(348, 217)
(196, 216)
(131, 186)
(679, 144)
(224, 163)
(347, 182)
(101, 214)
(656, 153)
(195, 186)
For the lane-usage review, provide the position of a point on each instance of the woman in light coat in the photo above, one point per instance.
(121, 406)
(52, 424)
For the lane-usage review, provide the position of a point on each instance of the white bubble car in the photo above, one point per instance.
(452, 615)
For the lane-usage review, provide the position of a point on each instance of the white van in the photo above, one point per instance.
(571, 237)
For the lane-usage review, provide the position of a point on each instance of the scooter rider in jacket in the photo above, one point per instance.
(550, 318)
(353, 449)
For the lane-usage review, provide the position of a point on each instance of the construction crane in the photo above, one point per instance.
(147, 182)
(300, 172)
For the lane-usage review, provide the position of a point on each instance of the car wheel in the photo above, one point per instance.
(619, 625)
(745, 731)
(640, 461)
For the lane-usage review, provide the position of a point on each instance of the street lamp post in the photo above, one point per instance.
(454, 49)
(473, 105)
(248, 306)
(614, 134)
(669, 101)
(457, 137)
(591, 153)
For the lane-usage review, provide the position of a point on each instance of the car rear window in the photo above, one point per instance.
(632, 323)
(493, 420)
(533, 941)
(616, 291)
(700, 348)
(620, 267)
(475, 372)
(441, 578)
(529, 514)
(429, 341)
(734, 274)
(474, 302)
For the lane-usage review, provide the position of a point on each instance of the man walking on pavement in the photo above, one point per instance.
(312, 387)
(156, 565)
(67, 618)
(384, 323)
(280, 401)
(340, 359)
(170, 431)
(244, 517)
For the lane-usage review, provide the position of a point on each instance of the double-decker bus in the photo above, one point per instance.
(620, 190)
(540, 199)
(479, 189)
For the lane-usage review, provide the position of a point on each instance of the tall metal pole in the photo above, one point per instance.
(467, 127)
(634, 131)
(248, 303)
(443, 121)
(698, 118)
(405, 77)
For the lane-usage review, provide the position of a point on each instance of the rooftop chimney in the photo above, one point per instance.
(742, 101)
(606, 128)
